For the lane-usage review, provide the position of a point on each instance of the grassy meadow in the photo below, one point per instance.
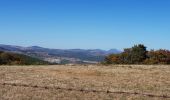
(85, 82)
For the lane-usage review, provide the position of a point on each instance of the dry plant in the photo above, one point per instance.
(92, 82)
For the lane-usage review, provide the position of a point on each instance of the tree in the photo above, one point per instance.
(135, 55)
(125, 57)
(138, 54)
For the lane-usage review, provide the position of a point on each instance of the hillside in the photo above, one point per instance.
(61, 55)
(7, 58)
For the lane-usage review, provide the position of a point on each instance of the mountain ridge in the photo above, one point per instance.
(71, 55)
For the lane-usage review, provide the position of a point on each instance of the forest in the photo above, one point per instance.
(8, 58)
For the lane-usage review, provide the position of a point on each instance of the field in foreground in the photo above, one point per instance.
(80, 82)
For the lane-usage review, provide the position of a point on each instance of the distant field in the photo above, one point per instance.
(82, 82)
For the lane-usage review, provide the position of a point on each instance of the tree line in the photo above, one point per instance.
(7, 58)
(138, 54)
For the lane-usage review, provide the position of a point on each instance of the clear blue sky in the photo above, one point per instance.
(85, 24)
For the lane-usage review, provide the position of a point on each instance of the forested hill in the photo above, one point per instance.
(7, 58)
(61, 55)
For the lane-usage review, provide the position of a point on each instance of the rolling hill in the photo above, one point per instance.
(60, 55)
(8, 58)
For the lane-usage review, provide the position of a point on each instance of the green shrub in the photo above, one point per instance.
(139, 55)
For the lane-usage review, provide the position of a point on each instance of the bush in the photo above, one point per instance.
(139, 55)
(113, 58)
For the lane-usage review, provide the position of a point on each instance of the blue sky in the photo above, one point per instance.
(86, 24)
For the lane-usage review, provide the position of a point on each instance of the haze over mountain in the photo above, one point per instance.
(61, 55)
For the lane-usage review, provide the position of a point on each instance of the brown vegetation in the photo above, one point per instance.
(139, 55)
(84, 82)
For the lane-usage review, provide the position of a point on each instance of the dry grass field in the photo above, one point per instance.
(85, 82)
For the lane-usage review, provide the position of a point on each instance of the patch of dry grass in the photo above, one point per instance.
(130, 78)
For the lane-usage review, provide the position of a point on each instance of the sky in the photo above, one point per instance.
(85, 24)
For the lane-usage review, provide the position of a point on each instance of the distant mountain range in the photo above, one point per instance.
(61, 55)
